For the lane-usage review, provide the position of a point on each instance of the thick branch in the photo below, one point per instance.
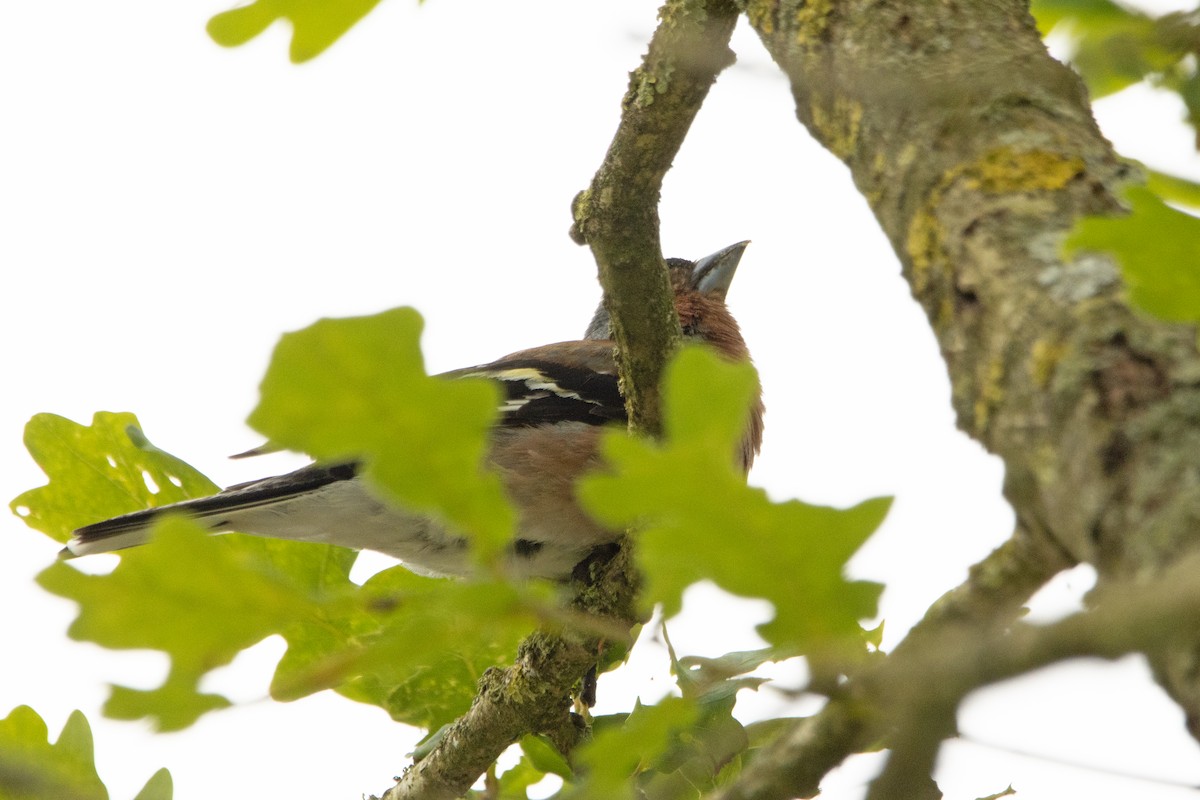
(977, 152)
(989, 600)
(926, 685)
(532, 696)
(618, 214)
(618, 217)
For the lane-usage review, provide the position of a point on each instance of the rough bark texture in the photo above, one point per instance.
(618, 217)
(865, 712)
(977, 152)
(532, 696)
(618, 214)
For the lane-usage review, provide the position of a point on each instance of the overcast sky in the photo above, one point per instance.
(168, 208)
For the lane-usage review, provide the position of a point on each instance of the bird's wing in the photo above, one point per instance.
(131, 529)
(563, 382)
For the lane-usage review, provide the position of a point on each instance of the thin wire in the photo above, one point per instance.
(1178, 784)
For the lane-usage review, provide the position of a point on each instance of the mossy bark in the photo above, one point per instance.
(617, 215)
(978, 152)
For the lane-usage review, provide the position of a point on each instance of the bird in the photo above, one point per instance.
(557, 400)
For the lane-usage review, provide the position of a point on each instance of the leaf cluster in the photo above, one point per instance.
(1114, 47)
(415, 645)
(32, 767)
(1157, 249)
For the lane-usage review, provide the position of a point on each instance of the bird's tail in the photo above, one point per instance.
(127, 530)
(219, 513)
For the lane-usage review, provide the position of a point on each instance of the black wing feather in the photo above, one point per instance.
(240, 496)
(544, 392)
(536, 392)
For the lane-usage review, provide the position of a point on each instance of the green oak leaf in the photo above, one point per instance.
(513, 783)
(685, 496)
(1120, 57)
(762, 734)
(413, 645)
(99, 471)
(676, 748)
(201, 599)
(432, 681)
(357, 388)
(618, 753)
(710, 749)
(163, 596)
(717, 680)
(1157, 249)
(1090, 16)
(424, 657)
(545, 757)
(713, 682)
(31, 768)
(696, 758)
(316, 24)
(171, 707)
(539, 758)
(1113, 47)
(159, 787)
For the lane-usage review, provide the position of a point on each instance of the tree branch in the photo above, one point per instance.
(926, 685)
(977, 152)
(618, 217)
(618, 214)
(855, 719)
(532, 696)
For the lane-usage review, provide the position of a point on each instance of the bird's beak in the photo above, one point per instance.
(713, 274)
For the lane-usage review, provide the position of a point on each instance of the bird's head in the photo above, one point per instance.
(700, 288)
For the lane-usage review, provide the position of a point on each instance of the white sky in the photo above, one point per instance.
(168, 208)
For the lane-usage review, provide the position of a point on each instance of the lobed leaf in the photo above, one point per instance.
(684, 495)
(416, 646)
(1091, 16)
(1173, 188)
(31, 767)
(617, 754)
(1157, 249)
(1113, 47)
(421, 651)
(99, 471)
(200, 599)
(159, 787)
(357, 388)
(316, 24)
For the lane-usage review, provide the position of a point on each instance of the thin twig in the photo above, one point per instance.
(856, 718)
(618, 217)
(618, 214)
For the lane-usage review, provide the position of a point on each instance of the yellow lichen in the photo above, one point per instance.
(761, 14)
(1006, 170)
(991, 393)
(811, 18)
(1000, 170)
(838, 125)
(1045, 464)
(923, 243)
(1043, 360)
(908, 156)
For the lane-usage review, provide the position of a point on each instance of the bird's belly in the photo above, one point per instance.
(347, 513)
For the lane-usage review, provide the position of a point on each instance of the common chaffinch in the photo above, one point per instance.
(557, 399)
